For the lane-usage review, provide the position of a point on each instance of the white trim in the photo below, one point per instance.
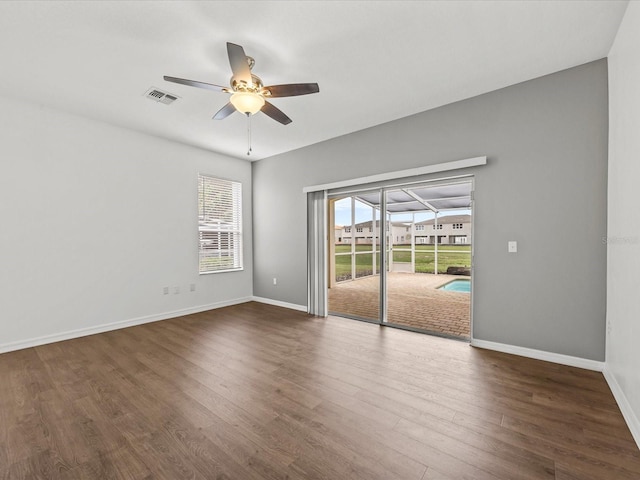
(625, 407)
(540, 355)
(411, 172)
(473, 251)
(82, 332)
(278, 303)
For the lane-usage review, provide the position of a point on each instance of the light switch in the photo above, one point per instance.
(512, 246)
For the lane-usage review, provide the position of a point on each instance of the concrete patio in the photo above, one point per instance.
(413, 301)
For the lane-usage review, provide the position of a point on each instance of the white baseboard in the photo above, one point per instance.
(625, 407)
(278, 303)
(540, 355)
(82, 332)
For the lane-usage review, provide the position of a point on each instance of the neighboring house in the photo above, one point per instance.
(364, 232)
(451, 229)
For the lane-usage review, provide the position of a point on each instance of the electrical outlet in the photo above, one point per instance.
(176, 290)
(165, 290)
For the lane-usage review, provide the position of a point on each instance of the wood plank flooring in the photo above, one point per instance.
(255, 392)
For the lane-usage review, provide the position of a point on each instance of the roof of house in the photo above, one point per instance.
(447, 220)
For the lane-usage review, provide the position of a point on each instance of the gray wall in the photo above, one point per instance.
(545, 185)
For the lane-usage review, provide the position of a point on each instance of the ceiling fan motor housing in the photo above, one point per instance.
(256, 86)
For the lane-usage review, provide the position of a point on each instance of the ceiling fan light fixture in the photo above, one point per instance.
(247, 102)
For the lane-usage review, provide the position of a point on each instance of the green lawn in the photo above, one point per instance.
(448, 255)
(359, 248)
(364, 265)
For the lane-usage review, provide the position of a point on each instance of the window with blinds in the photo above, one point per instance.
(219, 224)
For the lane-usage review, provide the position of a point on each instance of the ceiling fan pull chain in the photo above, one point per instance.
(249, 134)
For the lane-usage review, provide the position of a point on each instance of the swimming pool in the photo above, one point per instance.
(462, 285)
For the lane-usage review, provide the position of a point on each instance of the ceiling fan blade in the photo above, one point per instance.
(193, 83)
(275, 113)
(225, 111)
(293, 89)
(239, 63)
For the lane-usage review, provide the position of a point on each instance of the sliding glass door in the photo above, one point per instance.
(422, 281)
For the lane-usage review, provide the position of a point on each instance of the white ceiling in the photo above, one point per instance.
(375, 61)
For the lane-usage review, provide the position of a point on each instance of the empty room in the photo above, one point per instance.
(250, 240)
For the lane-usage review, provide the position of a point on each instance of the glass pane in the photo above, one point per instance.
(354, 287)
(342, 221)
(417, 297)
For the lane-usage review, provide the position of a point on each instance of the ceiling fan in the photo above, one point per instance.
(248, 93)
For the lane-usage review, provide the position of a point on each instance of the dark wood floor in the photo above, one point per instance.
(259, 392)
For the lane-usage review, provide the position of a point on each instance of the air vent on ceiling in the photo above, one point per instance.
(159, 96)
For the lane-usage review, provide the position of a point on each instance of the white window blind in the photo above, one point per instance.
(219, 224)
